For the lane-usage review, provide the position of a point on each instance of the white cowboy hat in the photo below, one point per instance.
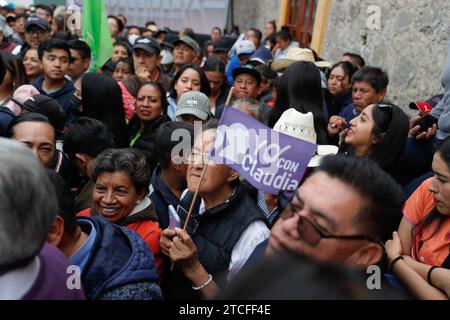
(295, 55)
(301, 126)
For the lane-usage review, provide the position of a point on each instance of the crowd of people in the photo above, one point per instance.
(93, 201)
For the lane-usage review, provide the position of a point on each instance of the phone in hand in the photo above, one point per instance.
(426, 122)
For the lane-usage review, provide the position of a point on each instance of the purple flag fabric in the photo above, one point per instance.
(269, 160)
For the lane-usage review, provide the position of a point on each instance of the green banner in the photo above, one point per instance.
(96, 32)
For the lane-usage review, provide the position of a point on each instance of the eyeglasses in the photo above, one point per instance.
(312, 233)
(39, 32)
(197, 157)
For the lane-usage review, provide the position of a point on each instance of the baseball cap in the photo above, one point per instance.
(37, 21)
(194, 103)
(248, 69)
(165, 30)
(262, 55)
(149, 45)
(427, 105)
(189, 42)
(220, 45)
(22, 94)
(245, 47)
(167, 45)
(48, 107)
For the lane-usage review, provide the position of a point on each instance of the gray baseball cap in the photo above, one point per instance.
(194, 103)
(189, 42)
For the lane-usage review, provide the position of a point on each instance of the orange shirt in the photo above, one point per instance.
(433, 251)
(149, 231)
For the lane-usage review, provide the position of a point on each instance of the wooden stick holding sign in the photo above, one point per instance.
(230, 96)
(191, 208)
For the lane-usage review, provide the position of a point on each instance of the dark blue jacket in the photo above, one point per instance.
(162, 197)
(349, 113)
(63, 96)
(6, 116)
(120, 265)
(335, 104)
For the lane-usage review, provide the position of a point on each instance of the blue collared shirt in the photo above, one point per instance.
(81, 257)
(262, 204)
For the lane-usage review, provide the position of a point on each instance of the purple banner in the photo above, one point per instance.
(271, 161)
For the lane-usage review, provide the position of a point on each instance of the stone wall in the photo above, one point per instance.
(411, 44)
(255, 13)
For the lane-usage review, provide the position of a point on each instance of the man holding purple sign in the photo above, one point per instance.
(226, 224)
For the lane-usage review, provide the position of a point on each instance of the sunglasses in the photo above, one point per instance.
(312, 233)
(386, 108)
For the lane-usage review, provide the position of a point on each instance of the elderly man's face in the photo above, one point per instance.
(331, 206)
(183, 54)
(217, 176)
(39, 137)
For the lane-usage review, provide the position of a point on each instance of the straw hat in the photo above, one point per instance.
(295, 55)
(301, 126)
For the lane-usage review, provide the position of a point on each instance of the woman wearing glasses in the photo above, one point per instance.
(378, 133)
(419, 252)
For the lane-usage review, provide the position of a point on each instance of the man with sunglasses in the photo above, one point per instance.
(37, 31)
(339, 215)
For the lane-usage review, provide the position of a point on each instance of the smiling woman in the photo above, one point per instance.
(378, 133)
(121, 178)
(32, 64)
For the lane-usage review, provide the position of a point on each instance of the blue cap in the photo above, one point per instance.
(37, 21)
(262, 55)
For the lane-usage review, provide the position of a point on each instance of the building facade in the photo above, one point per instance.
(407, 38)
